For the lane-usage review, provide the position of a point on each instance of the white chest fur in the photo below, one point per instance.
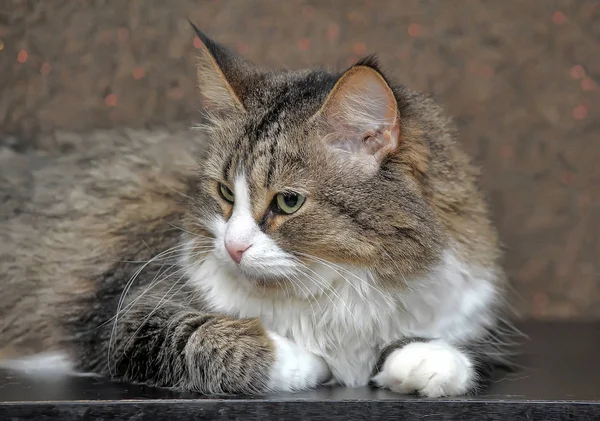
(349, 323)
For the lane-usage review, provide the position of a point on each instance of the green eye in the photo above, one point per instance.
(289, 202)
(226, 193)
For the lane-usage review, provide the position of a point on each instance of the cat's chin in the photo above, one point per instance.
(260, 281)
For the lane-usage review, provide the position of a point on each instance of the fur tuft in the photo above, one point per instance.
(371, 61)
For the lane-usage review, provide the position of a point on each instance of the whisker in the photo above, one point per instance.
(179, 254)
(325, 292)
(389, 301)
(195, 234)
(156, 308)
(169, 252)
(341, 300)
(297, 281)
(179, 193)
(146, 244)
(324, 262)
(153, 284)
(126, 290)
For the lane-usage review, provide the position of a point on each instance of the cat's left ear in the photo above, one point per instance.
(222, 76)
(361, 115)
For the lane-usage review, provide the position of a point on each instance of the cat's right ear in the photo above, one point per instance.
(221, 76)
(361, 115)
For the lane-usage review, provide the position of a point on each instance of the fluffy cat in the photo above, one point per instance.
(319, 227)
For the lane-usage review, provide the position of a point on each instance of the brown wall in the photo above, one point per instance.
(520, 77)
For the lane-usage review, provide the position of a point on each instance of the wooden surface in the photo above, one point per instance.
(561, 380)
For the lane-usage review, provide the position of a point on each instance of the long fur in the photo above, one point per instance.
(114, 254)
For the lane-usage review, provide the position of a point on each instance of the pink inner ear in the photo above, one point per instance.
(362, 112)
(374, 143)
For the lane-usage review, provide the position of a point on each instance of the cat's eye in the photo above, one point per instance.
(226, 193)
(289, 203)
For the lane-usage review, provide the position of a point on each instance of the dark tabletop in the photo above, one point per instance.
(561, 380)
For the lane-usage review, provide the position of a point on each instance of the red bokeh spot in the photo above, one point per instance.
(176, 93)
(45, 69)
(197, 42)
(414, 29)
(580, 112)
(138, 72)
(333, 32)
(587, 84)
(22, 56)
(577, 72)
(567, 177)
(559, 17)
(304, 44)
(243, 48)
(111, 100)
(359, 48)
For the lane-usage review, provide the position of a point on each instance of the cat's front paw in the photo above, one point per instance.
(432, 369)
(294, 368)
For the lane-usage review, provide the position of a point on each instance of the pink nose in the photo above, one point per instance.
(236, 250)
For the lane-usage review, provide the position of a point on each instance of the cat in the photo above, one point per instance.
(319, 228)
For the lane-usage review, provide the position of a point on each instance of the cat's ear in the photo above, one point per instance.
(361, 114)
(221, 75)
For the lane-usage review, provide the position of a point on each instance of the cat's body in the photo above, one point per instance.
(327, 209)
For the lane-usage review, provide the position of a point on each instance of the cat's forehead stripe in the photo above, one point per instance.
(257, 146)
(268, 179)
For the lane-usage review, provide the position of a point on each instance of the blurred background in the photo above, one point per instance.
(521, 78)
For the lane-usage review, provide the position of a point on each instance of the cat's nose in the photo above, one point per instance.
(236, 250)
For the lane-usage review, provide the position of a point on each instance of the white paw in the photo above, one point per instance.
(432, 369)
(294, 368)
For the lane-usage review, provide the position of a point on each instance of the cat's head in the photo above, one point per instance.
(311, 169)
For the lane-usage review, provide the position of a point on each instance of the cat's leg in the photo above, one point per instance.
(432, 368)
(184, 349)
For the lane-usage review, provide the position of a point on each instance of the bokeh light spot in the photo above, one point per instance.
(45, 69)
(197, 42)
(111, 100)
(580, 112)
(243, 48)
(567, 177)
(176, 93)
(333, 32)
(587, 84)
(359, 48)
(559, 17)
(304, 44)
(577, 72)
(22, 56)
(138, 73)
(414, 29)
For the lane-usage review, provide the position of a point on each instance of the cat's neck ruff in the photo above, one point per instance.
(354, 318)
